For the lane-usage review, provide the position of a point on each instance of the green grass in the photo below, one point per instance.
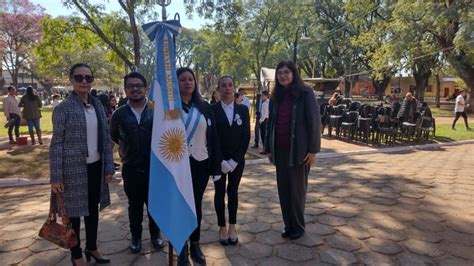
(45, 123)
(442, 112)
(444, 133)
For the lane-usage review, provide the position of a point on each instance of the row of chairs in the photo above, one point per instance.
(363, 121)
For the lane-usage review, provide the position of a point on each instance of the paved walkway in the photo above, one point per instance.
(407, 208)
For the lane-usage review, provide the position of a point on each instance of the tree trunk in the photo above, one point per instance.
(438, 91)
(421, 74)
(136, 36)
(102, 35)
(380, 86)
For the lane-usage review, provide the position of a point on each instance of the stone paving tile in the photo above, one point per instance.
(374, 258)
(460, 251)
(320, 229)
(384, 246)
(16, 244)
(295, 253)
(342, 242)
(336, 256)
(49, 257)
(255, 250)
(358, 212)
(407, 258)
(274, 261)
(451, 261)
(423, 248)
(331, 220)
(456, 237)
(270, 237)
(309, 240)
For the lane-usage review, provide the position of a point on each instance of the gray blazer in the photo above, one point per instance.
(305, 131)
(68, 153)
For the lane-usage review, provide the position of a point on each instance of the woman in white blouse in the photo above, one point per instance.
(204, 152)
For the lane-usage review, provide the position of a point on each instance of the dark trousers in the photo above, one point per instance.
(94, 176)
(200, 179)
(135, 185)
(464, 115)
(292, 183)
(263, 130)
(257, 130)
(14, 124)
(232, 195)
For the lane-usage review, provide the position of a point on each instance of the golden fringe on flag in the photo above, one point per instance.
(172, 114)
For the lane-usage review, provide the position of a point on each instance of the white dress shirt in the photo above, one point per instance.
(229, 111)
(138, 114)
(458, 107)
(264, 111)
(197, 145)
(246, 102)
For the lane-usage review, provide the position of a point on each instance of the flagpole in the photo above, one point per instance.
(163, 4)
(170, 253)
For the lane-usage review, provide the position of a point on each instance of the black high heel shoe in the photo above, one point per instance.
(101, 260)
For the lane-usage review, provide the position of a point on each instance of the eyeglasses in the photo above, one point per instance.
(132, 86)
(283, 73)
(80, 78)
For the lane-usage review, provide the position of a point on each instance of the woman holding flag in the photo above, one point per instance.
(204, 152)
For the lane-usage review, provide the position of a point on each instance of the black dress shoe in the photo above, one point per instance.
(286, 232)
(157, 242)
(296, 235)
(98, 260)
(183, 259)
(233, 242)
(224, 242)
(135, 245)
(196, 254)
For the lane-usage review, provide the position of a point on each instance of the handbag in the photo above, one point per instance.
(60, 234)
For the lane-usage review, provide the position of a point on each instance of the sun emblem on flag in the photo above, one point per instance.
(172, 144)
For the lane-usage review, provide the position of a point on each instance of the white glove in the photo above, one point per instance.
(233, 164)
(215, 177)
(225, 167)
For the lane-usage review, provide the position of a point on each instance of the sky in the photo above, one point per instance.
(55, 8)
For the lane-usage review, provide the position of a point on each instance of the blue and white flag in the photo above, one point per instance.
(170, 199)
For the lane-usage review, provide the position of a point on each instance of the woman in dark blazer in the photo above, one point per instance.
(81, 160)
(32, 104)
(204, 152)
(233, 126)
(292, 141)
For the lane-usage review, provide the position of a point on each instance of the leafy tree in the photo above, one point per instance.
(19, 31)
(370, 20)
(449, 23)
(65, 43)
(125, 26)
(248, 34)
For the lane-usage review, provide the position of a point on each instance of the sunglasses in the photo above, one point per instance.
(80, 78)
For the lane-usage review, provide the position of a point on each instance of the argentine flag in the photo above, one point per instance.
(171, 199)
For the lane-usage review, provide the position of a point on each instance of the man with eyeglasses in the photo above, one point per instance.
(131, 127)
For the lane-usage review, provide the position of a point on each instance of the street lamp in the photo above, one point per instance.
(304, 36)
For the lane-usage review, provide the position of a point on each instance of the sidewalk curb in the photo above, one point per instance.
(18, 182)
(327, 155)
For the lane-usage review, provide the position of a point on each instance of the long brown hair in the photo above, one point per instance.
(296, 85)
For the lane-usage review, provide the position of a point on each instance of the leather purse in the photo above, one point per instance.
(60, 234)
